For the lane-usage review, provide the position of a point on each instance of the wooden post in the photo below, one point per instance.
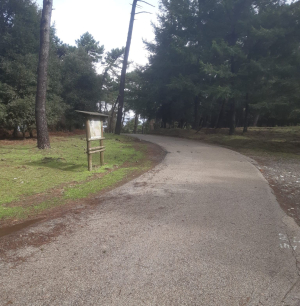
(88, 141)
(101, 145)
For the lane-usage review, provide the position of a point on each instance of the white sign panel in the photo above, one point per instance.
(95, 129)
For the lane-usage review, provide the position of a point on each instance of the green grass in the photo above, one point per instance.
(27, 171)
(282, 142)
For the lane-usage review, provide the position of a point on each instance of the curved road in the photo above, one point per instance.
(202, 228)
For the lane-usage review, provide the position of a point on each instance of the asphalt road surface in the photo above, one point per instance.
(202, 228)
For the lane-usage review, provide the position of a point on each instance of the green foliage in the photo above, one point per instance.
(129, 126)
(2, 113)
(73, 82)
(90, 46)
(212, 58)
(20, 113)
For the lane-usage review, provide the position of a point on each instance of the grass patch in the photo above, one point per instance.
(83, 190)
(282, 142)
(60, 173)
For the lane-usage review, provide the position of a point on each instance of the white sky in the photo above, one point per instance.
(107, 21)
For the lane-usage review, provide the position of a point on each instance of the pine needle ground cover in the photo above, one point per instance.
(34, 180)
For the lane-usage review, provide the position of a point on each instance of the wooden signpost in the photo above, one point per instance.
(94, 132)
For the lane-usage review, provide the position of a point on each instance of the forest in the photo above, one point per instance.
(73, 79)
(222, 64)
(216, 64)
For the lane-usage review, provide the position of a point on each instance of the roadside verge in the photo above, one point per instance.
(41, 185)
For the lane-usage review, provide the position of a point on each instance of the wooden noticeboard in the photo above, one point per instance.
(95, 126)
(94, 131)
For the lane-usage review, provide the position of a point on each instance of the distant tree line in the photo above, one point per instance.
(73, 80)
(213, 63)
(220, 64)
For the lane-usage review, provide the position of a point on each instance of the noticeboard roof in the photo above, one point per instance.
(92, 113)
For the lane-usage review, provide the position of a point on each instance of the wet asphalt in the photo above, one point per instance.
(201, 228)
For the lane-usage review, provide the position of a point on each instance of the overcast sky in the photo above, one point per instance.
(106, 20)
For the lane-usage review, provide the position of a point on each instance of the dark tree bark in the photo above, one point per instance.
(111, 128)
(102, 83)
(232, 117)
(15, 132)
(136, 122)
(43, 141)
(196, 113)
(246, 119)
(232, 42)
(256, 119)
(200, 125)
(219, 122)
(123, 73)
(123, 119)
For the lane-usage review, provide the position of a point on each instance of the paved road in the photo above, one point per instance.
(202, 228)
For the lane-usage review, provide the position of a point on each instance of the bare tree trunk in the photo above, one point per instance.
(123, 73)
(123, 119)
(232, 119)
(246, 114)
(111, 123)
(111, 128)
(221, 115)
(196, 113)
(101, 86)
(15, 132)
(136, 122)
(256, 119)
(40, 105)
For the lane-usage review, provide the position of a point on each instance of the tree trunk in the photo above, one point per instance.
(101, 86)
(40, 105)
(123, 119)
(136, 122)
(15, 132)
(123, 73)
(30, 133)
(232, 117)
(219, 122)
(111, 123)
(111, 128)
(200, 125)
(196, 113)
(256, 119)
(246, 114)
